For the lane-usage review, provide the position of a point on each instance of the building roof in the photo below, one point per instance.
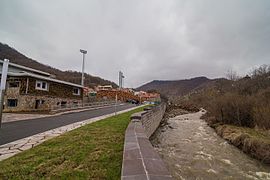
(105, 86)
(26, 68)
(27, 74)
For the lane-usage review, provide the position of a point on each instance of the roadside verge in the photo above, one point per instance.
(93, 151)
(15, 147)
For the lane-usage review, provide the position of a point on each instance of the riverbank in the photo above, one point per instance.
(254, 142)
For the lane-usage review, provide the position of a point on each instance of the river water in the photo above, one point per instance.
(192, 150)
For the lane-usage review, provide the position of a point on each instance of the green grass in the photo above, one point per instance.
(93, 151)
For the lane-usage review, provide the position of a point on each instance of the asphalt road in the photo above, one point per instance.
(12, 131)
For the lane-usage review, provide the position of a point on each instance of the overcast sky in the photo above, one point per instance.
(146, 39)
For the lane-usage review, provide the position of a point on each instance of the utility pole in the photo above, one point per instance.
(83, 52)
(82, 83)
(123, 80)
(3, 87)
(115, 105)
(120, 80)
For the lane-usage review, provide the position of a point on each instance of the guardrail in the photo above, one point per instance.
(66, 107)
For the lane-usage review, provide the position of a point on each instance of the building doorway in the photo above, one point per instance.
(37, 104)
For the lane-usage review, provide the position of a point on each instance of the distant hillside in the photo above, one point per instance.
(14, 56)
(178, 87)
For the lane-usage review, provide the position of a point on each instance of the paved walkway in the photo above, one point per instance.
(10, 117)
(12, 148)
(140, 160)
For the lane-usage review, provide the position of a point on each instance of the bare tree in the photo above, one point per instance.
(263, 70)
(232, 75)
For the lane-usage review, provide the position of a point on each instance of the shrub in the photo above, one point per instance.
(242, 102)
(261, 110)
(234, 109)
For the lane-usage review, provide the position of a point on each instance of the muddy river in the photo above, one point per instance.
(192, 150)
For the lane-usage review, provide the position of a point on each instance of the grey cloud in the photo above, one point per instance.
(148, 40)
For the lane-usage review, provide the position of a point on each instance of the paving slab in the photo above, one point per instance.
(138, 177)
(132, 154)
(131, 145)
(133, 167)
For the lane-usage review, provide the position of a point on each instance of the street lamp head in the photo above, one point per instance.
(83, 51)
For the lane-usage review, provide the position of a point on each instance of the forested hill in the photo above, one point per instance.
(178, 87)
(7, 52)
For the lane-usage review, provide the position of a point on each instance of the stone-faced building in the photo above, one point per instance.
(28, 89)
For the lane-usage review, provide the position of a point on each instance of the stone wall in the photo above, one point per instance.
(152, 119)
(27, 103)
(140, 160)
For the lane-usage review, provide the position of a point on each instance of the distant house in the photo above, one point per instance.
(145, 96)
(33, 90)
(89, 91)
(130, 90)
(104, 88)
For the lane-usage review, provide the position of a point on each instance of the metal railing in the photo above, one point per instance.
(66, 107)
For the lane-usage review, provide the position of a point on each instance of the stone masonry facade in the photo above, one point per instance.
(28, 98)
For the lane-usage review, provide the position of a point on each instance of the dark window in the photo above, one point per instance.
(13, 84)
(12, 102)
(39, 85)
(63, 103)
(76, 91)
(44, 85)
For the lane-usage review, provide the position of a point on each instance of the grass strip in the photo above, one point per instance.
(93, 151)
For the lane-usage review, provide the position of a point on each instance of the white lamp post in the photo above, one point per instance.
(3, 87)
(83, 52)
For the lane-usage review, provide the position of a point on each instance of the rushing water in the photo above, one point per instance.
(192, 150)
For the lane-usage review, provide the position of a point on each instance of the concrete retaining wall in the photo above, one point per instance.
(140, 160)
